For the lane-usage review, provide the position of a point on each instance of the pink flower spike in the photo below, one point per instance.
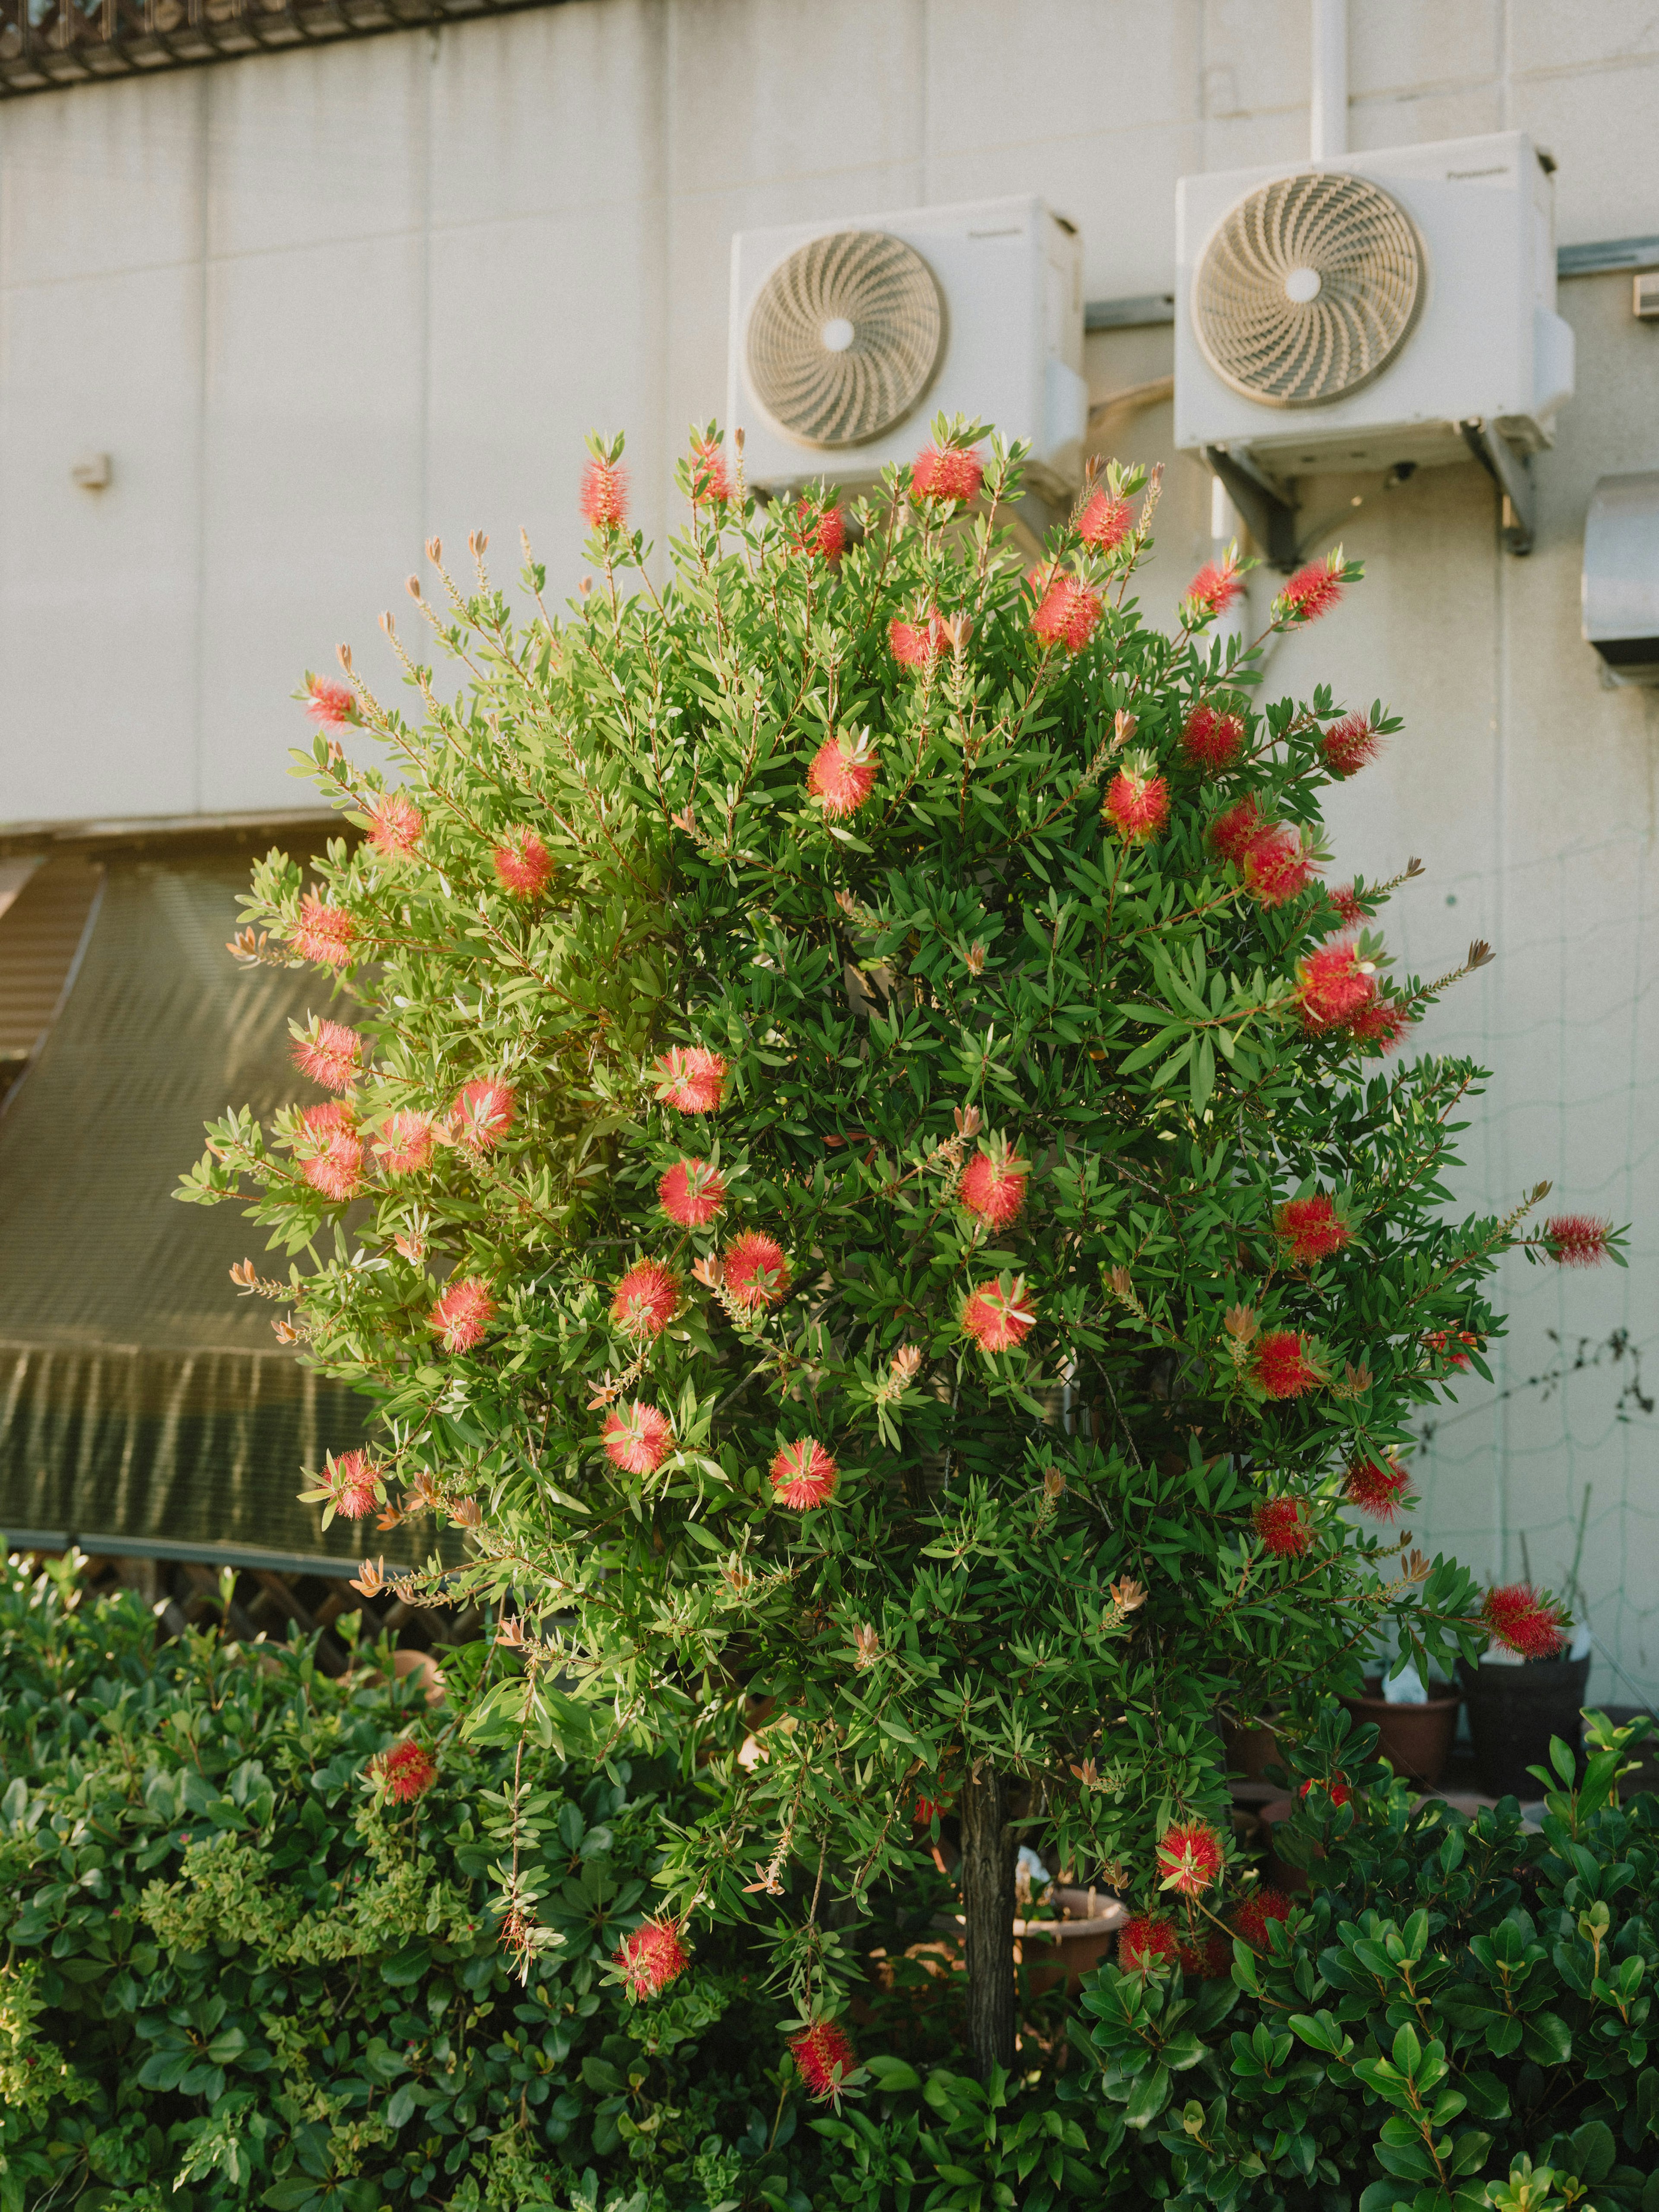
(840, 781)
(803, 1474)
(483, 1114)
(1279, 864)
(691, 1193)
(1312, 592)
(463, 1315)
(405, 1145)
(1349, 910)
(352, 1482)
(1577, 1240)
(408, 1771)
(647, 1299)
(993, 1187)
(1381, 1025)
(997, 1319)
(1067, 615)
(1188, 1857)
(637, 1437)
(1213, 590)
(754, 1273)
(324, 933)
(818, 529)
(1104, 523)
(1311, 1229)
(395, 823)
(1143, 1941)
(523, 863)
(1283, 1528)
(1347, 745)
(825, 2059)
(711, 485)
(1283, 1366)
(1211, 739)
(330, 706)
(1233, 833)
(1137, 806)
(1517, 1618)
(689, 1078)
(915, 644)
(949, 474)
(605, 496)
(652, 1957)
(1333, 987)
(330, 1054)
(1377, 1486)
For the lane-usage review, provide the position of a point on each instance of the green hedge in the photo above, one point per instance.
(234, 1976)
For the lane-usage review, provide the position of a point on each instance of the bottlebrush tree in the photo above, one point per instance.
(861, 1165)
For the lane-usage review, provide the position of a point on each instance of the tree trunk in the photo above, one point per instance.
(988, 1850)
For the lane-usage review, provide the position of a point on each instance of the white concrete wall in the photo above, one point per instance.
(318, 306)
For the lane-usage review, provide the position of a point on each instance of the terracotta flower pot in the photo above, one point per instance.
(1513, 1713)
(1248, 1750)
(1416, 1740)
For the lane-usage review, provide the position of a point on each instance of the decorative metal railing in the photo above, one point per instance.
(47, 43)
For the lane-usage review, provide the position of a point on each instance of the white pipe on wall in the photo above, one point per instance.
(1330, 134)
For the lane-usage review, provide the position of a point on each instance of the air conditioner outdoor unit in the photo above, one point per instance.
(848, 337)
(1369, 309)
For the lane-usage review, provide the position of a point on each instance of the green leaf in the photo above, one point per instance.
(1148, 2098)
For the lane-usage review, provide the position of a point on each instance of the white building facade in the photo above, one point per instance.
(315, 306)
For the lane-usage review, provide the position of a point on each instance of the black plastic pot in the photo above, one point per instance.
(1513, 1713)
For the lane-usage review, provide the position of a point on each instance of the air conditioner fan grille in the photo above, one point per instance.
(1308, 290)
(845, 336)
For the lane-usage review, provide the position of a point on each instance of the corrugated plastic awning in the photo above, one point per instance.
(139, 1396)
(43, 907)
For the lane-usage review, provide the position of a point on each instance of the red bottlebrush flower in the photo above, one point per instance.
(754, 1273)
(804, 1475)
(1517, 1618)
(1067, 614)
(1312, 592)
(1188, 1857)
(1253, 1913)
(1377, 1486)
(395, 824)
(462, 1316)
(405, 1145)
(330, 706)
(324, 933)
(483, 1114)
(1349, 744)
(1439, 1342)
(915, 644)
(711, 485)
(648, 1298)
(1381, 1025)
(327, 1115)
(1208, 1960)
(523, 863)
(1336, 1789)
(1214, 589)
(692, 1192)
(690, 1079)
(1104, 523)
(1144, 1940)
(351, 1481)
(1278, 865)
(637, 1437)
(1234, 832)
(999, 1319)
(820, 530)
(1311, 1229)
(1283, 1528)
(331, 1054)
(335, 1168)
(1137, 805)
(407, 1770)
(1349, 912)
(839, 780)
(1577, 1240)
(652, 1957)
(993, 1188)
(1332, 986)
(948, 475)
(825, 2057)
(605, 496)
(1211, 739)
(1282, 1365)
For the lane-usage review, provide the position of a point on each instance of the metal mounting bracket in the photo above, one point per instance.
(1271, 516)
(1512, 473)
